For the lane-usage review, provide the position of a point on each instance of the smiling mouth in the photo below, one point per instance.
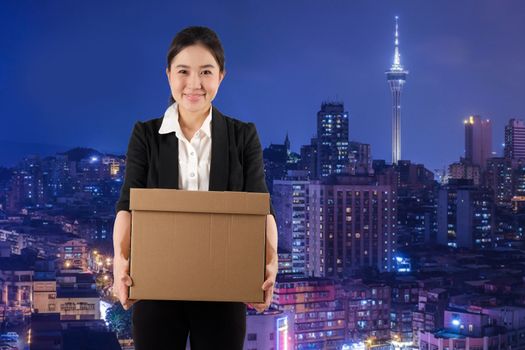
(193, 95)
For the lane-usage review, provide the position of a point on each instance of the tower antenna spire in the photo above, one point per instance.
(397, 56)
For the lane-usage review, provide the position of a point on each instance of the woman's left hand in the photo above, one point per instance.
(268, 286)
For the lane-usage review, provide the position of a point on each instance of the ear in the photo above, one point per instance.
(222, 75)
(168, 72)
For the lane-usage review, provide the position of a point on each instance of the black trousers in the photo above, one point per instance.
(160, 324)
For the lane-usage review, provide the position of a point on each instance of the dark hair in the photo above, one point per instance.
(196, 35)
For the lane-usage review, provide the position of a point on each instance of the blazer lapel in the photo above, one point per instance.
(169, 161)
(219, 166)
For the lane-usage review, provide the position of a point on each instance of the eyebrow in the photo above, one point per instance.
(185, 66)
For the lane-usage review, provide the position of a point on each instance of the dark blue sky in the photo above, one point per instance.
(80, 73)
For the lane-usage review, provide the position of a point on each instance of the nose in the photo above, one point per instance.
(194, 81)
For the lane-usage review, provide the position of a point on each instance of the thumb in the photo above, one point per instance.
(127, 281)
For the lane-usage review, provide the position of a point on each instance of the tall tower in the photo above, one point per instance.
(396, 77)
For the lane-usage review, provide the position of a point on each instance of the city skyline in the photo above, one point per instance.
(370, 254)
(462, 65)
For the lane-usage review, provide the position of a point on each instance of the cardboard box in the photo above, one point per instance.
(198, 245)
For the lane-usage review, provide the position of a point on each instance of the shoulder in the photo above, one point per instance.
(150, 126)
(146, 130)
(239, 127)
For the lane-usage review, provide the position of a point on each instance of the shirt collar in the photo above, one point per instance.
(170, 122)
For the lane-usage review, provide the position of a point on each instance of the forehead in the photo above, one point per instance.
(194, 56)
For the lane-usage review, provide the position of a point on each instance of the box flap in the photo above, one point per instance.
(172, 200)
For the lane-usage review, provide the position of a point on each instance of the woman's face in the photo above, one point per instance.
(194, 78)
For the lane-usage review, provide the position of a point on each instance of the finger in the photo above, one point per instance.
(265, 283)
(258, 306)
(132, 301)
(268, 298)
(128, 303)
(268, 284)
(123, 295)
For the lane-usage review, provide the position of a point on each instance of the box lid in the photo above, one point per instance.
(172, 200)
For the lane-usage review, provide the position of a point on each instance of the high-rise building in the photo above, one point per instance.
(309, 159)
(416, 199)
(499, 178)
(275, 159)
(396, 77)
(478, 140)
(465, 215)
(464, 170)
(518, 178)
(475, 213)
(515, 139)
(360, 158)
(290, 202)
(332, 139)
(26, 185)
(352, 223)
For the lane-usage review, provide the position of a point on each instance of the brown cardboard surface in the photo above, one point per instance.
(198, 245)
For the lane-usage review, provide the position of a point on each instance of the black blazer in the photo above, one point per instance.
(152, 159)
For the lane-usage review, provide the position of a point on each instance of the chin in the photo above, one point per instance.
(195, 107)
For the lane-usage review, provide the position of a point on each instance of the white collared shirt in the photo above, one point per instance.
(194, 154)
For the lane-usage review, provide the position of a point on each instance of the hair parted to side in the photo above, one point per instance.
(196, 35)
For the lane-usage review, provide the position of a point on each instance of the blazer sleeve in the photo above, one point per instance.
(136, 166)
(253, 167)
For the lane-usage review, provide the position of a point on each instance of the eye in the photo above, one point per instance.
(206, 72)
(182, 71)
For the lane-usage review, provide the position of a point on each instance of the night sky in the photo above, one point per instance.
(80, 73)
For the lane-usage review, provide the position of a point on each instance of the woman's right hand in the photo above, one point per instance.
(121, 281)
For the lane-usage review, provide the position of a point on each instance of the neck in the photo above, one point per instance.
(192, 120)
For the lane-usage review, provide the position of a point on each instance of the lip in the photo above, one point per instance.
(193, 97)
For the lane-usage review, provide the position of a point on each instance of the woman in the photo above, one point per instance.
(193, 147)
